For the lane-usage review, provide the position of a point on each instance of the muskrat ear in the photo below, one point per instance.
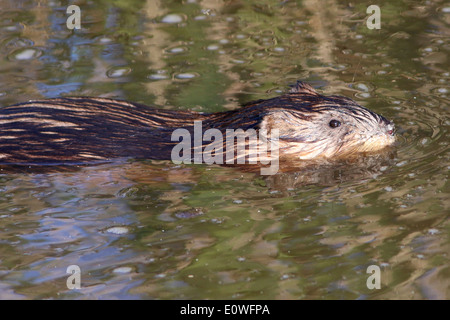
(303, 87)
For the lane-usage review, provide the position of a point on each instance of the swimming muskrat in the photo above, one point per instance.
(84, 129)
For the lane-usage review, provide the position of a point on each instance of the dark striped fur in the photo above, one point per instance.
(83, 129)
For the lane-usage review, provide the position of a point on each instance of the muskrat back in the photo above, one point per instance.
(84, 129)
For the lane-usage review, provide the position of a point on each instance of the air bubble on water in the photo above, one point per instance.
(362, 87)
(172, 18)
(26, 54)
(105, 40)
(118, 72)
(401, 163)
(122, 270)
(117, 230)
(212, 47)
(159, 75)
(433, 231)
(160, 275)
(185, 76)
(11, 28)
(177, 50)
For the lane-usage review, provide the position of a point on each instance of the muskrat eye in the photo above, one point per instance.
(335, 123)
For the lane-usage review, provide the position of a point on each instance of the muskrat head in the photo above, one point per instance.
(313, 126)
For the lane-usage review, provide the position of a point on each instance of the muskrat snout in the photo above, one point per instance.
(390, 128)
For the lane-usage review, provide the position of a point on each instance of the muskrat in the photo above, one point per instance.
(84, 129)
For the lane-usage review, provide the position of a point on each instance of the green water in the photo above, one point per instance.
(209, 232)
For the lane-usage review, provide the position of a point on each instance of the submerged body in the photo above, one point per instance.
(82, 129)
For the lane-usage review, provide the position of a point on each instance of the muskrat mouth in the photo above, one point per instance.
(390, 129)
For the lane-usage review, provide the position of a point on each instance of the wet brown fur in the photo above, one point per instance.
(84, 129)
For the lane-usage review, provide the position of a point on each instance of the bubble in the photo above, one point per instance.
(362, 87)
(172, 18)
(123, 270)
(185, 75)
(212, 47)
(363, 95)
(401, 163)
(117, 230)
(433, 231)
(11, 28)
(117, 72)
(176, 50)
(25, 54)
(160, 275)
(105, 40)
(158, 76)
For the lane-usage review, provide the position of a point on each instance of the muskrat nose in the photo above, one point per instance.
(389, 126)
(390, 129)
